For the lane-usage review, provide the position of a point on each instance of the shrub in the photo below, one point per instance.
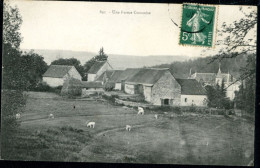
(109, 86)
(139, 98)
(12, 102)
(192, 108)
(110, 98)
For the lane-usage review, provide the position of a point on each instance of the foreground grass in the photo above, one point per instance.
(59, 144)
(207, 140)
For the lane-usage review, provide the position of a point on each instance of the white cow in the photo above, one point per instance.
(91, 124)
(128, 127)
(140, 111)
(156, 116)
(18, 116)
(51, 116)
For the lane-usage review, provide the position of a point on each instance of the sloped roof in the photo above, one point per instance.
(206, 77)
(108, 74)
(128, 73)
(225, 77)
(96, 67)
(91, 84)
(115, 75)
(147, 76)
(191, 87)
(57, 71)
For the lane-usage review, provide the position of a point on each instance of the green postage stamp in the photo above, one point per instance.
(197, 25)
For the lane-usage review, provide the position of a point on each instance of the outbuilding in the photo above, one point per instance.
(192, 93)
(158, 86)
(57, 74)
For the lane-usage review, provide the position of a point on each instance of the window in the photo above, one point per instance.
(185, 100)
(166, 101)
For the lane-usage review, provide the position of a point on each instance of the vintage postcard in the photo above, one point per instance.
(128, 82)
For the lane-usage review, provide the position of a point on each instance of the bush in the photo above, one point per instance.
(111, 98)
(12, 102)
(109, 86)
(139, 98)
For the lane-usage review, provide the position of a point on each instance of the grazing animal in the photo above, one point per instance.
(91, 124)
(128, 127)
(140, 111)
(74, 106)
(51, 116)
(165, 112)
(18, 116)
(156, 116)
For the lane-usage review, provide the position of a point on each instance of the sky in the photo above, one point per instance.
(83, 26)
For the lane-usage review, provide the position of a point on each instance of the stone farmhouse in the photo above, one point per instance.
(57, 74)
(230, 83)
(159, 87)
(98, 69)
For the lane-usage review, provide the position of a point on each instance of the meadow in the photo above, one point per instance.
(171, 139)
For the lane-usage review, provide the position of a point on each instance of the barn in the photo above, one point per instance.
(123, 76)
(57, 74)
(98, 69)
(158, 86)
(192, 93)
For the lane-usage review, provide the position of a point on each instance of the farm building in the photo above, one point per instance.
(122, 76)
(230, 83)
(157, 85)
(205, 78)
(192, 93)
(98, 69)
(57, 74)
(90, 87)
(105, 76)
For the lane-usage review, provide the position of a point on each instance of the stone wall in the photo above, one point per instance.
(130, 103)
(197, 100)
(130, 89)
(166, 88)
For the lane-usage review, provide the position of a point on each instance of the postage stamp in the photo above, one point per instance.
(197, 25)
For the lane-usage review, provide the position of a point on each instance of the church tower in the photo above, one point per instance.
(219, 77)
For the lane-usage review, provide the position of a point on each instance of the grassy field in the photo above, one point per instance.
(182, 139)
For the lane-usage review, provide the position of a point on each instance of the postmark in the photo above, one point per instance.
(198, 25)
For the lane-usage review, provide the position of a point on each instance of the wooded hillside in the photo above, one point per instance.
(203, 65)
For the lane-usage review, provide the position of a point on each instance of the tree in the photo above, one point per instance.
(33, 67)
(238, 39)
(12, 76)
(100, 57)
(217, 97)
(71, 61)
(12, 21)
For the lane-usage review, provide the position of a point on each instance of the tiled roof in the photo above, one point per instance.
(128, 73)
(206, 77)
(57, 71)
(96, 67)
(147, 76)
(115, 75)
(191, 87)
